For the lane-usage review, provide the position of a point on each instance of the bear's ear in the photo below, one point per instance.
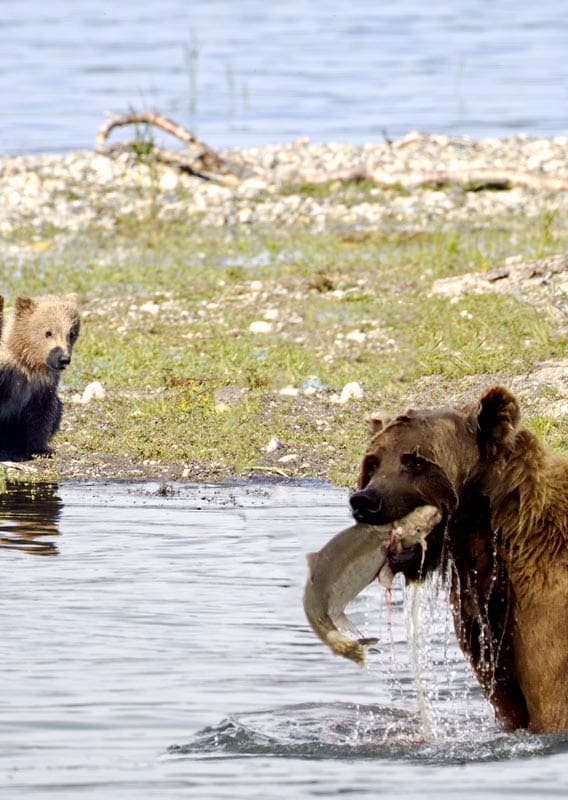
(24, 305)
(375, 423)
(498, 417)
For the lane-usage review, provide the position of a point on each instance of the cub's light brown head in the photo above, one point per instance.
(45, 331)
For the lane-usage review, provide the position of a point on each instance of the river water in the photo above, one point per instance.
(251, 72)
(154, 645)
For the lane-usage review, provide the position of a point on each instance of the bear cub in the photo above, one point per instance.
(36, 343)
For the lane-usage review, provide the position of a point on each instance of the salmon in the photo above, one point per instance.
(348, 563)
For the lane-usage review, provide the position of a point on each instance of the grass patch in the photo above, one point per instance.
(167, 313)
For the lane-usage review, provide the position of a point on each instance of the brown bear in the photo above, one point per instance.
(37, 340)
(503, 540)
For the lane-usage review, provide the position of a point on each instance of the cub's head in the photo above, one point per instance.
(432, 457)
(44, 331)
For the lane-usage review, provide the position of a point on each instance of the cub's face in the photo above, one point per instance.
(45, 331)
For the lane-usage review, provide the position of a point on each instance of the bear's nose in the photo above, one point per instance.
(365, 505)
(64, 361)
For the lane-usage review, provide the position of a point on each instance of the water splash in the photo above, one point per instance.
(354, 731)
(414, 627)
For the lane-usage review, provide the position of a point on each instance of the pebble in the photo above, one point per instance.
(273, 445)
(150, 308)
(289, 391)
(351, 391)
(92, 391)
(356, 336)
(261, 326)
(288, 458)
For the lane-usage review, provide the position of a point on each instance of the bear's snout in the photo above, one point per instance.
(366, 506)
(58, 358)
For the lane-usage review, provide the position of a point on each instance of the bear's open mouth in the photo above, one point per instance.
(417, 559)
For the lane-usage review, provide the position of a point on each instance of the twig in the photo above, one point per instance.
(198, 158)
(276, 470)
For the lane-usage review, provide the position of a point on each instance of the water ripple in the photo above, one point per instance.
(355, 731)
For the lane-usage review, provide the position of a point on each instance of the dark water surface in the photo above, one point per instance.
(250, 72)
(154, 646)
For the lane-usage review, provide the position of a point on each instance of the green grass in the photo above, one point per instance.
(161, 371)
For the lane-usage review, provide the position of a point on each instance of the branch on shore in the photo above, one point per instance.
(197, 158)
(473, 179)
(200, 160)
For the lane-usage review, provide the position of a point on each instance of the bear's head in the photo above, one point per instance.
(44, 331)
(433, 457)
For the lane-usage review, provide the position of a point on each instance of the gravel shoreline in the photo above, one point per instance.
(83, 189)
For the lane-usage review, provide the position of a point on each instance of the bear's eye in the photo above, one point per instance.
(48, 334)
(414, 463)
(369, 466)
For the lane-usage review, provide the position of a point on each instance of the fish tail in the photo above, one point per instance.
(349, 648)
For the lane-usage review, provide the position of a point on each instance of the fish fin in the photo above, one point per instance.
(312, 559)
(349, 648)
(342, 621)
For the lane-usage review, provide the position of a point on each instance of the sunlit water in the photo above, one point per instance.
(154, 645)
(251, 72)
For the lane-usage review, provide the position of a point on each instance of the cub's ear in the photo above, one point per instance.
(498, 417)
(24, 305)
(375, 423)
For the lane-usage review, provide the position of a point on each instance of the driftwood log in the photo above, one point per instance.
(197, 158)
(475, 178)
(200, 160)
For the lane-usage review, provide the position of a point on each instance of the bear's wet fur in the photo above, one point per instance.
(503, 540)
(36, 344)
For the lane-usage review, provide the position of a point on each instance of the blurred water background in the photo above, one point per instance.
(251, 73)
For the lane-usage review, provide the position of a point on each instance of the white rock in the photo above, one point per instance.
(356, 336)
(260, 326)
(150, 308)
(252, 187)
(169, 181)
(287, 459)
(246, 215)
(93, 391)
(273, 444)
(289, 391)
(351, 391)
(271, 313)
